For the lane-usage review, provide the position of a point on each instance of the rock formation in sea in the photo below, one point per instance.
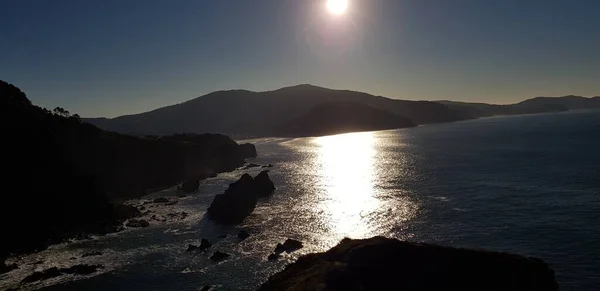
(387, 264)
(239, 200)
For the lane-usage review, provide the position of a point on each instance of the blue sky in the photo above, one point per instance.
(113, 57)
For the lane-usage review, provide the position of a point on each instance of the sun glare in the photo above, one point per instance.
(337, 7)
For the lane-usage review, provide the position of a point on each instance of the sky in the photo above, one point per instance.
(114, 57)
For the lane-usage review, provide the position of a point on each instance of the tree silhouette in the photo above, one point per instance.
(61, 112)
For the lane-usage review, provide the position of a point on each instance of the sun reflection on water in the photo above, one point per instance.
(346, 166)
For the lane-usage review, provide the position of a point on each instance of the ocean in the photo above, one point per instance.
(523, 184)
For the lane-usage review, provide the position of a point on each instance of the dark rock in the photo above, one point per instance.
(206, 288)
(268, 166)
(81, 269)
(219, 256)
(236, 203)
(91, 254)
(55, 272)
(191, 248)
(250, 166)
(43, 275)
(72, 258)
(239, 200)
(38, 262)
(247, 150)
(172, 202)
(264, 185)
(6, 268)
(289, 246)
(222, 236)
(387, 264)
(242, 235)
(137, 223)
(279, 248)
(161, 200)
(204, 244)
(190, 186)
(273, 257)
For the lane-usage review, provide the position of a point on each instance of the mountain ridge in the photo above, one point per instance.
(243, 113)
(248, 113)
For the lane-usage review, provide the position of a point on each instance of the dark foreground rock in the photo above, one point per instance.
(190, 186)
(387, 264)
(219, 256)
(239, 200)
(55, 272)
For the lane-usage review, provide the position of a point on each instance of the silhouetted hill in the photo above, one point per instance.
(342, 117)
(534, 105)
(61, 176)
(246, 113)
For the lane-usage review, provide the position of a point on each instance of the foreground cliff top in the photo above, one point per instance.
(387, 264)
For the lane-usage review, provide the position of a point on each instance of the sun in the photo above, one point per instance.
(337, 7)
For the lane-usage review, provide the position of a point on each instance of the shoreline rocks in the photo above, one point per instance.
(288, 246)
(136, 223)
(219, 256)
(55, 272)
(381, 263)
(190, 186)
(239, 200)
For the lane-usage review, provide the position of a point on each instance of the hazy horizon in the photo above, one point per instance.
(111, 58)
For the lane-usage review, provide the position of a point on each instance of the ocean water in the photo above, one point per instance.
(523, 184)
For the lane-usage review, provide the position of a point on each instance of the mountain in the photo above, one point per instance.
(246, 113)
(342, 117)
(534, 105)
(62, 177)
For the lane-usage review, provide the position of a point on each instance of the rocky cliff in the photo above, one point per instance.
(61, 177)
(387, 264)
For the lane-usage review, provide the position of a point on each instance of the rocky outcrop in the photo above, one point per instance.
(264, 185)
(248, 150)
(190, 186)
(55, 272)
(137, 223)
(289, 246)
(219, 256)
(91, 254)
(239, 200)
(387, 264)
